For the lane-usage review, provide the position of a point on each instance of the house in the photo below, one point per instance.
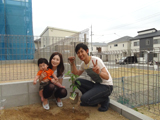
(51, 35)
(98, 49)
(147, 42)
(61, 40)
(118, 48)
(37, 43)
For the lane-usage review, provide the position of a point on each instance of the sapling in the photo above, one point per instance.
(73, 85)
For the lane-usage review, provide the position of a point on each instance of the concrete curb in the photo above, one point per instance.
(127, 112)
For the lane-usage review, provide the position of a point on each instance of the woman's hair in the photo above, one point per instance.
(42, 60)
(81, 45)
(60, 67)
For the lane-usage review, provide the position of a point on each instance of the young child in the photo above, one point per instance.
(43, 67)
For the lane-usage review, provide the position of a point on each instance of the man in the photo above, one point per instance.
(98, 90)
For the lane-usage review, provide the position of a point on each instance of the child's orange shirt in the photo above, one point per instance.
(49, 73)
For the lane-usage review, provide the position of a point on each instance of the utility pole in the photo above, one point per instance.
(91, 39)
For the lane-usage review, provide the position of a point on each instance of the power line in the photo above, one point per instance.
(138, 20)
(148, 5)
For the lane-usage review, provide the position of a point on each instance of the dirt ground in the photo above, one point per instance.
(152, 113)
(36, 112)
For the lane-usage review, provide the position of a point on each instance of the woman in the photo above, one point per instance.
(56, 64)
(98, 90)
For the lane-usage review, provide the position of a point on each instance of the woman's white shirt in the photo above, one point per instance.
(60, 77)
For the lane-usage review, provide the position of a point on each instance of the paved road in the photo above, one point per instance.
(139, 66)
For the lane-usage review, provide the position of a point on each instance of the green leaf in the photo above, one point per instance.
(72, 80)
(78, 82)
(71, 85)
(74, 88)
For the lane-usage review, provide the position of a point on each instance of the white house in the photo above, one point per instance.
(119, 48)
(51, 35)
(98, 49)
(37, 43)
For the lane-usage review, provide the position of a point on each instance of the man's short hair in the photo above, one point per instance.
(81, 45)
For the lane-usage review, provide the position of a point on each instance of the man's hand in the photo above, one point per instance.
(71, 60)
(95, 67)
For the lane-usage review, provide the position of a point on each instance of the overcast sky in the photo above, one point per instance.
(110, 19)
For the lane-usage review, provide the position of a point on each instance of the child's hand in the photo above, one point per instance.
(34, 82)
(43, 75)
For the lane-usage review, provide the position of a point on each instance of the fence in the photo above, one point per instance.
(136, 80)
(25, 67)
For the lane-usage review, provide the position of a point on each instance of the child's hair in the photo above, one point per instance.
(42, 60)
(81, 45)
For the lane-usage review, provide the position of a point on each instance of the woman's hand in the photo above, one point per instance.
(71, 60)
(95, 67)
(54, 80)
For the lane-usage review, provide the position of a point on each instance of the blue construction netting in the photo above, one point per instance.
(16, 40)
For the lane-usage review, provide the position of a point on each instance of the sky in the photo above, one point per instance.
(110, 19)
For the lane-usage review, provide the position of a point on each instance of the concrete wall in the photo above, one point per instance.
(23, 93)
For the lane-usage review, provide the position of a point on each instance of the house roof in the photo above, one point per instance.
(99, 44)
(56, 29)
(146, 30)
(37, 40)
(122, 39)
(154, 34)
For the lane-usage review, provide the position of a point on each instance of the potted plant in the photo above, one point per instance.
(73, 95)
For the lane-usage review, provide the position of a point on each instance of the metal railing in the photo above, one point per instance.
(136, 77)
(19, 54)
(136, 80)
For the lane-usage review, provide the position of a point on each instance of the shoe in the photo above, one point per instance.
(83, 104)
(46, 107)
(59, 104)
(104, 105)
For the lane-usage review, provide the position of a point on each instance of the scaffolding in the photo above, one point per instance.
(16, 19)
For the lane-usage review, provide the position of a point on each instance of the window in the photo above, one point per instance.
(147, 42)
(155, 54)
(115, 45)
(136, 43)
(156, 41)
(66, 51)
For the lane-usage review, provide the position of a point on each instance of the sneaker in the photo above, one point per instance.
(59, 104)
(84, 104)
(46, 107)
(104, 105)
